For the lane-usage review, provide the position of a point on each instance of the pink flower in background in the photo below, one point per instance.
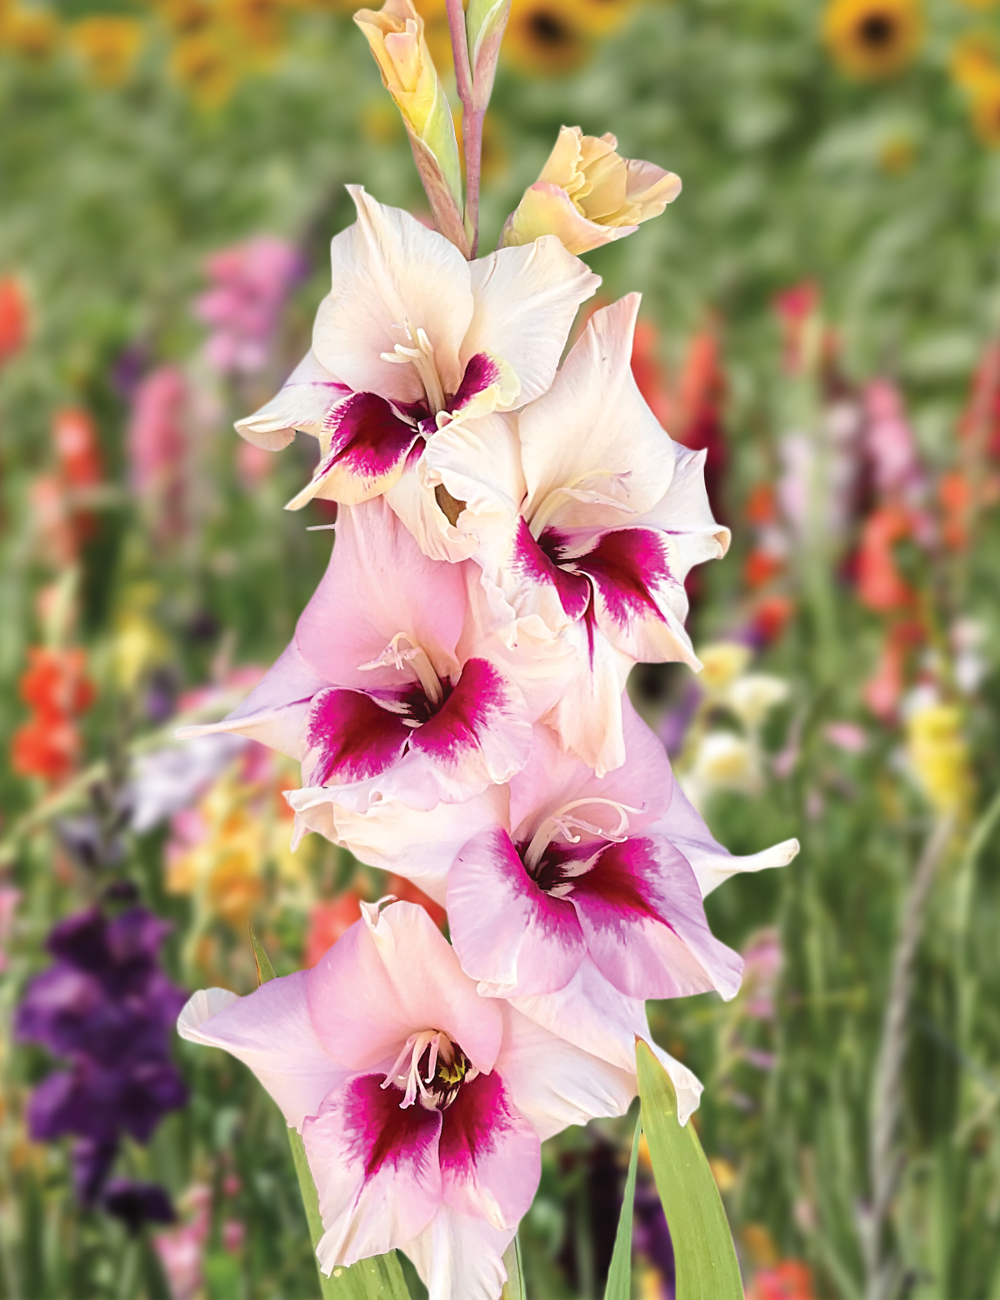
(157, 449)
(890, 445)
(250, 285)
(761, 968)
(9, 899)
(421, 1105)
(182, 1249)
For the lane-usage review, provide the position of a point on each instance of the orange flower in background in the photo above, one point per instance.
(873, 38)
(648, 371)
(108, 45)
(788, 1280)
(29, 30)
(407, 892)
(13, 317)
(880, 584)
(327, 922)
(56, 687)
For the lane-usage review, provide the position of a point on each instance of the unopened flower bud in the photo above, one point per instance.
(589, 195)
(396, 36)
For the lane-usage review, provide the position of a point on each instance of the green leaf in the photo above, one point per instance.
(370, 1279)
(619, 1285)
(265, 971)
(704, 1254)
(514, 1286)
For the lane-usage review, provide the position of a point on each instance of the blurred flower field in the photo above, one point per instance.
(821, 315)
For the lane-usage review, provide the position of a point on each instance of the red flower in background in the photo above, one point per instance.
(789, 1280)
(701, 395)
(57, 689)
(75, 437)
(880, 584)
(329, 920)
(13, 318)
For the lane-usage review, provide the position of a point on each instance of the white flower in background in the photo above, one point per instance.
(723, 760)
(753, 696)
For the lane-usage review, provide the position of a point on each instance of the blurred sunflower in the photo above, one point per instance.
(33, 32)
(206, 66)
(873, 38)
(109, 45)
(258, 24)
(545, 37)
(187, 17)
(974, 59)
(599, 17)
(986, 108)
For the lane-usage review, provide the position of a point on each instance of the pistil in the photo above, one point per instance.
(565, 822)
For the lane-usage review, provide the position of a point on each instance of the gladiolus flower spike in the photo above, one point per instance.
(513, 536)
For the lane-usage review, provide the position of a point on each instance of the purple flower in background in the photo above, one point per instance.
(108, 1009)
(250, 284)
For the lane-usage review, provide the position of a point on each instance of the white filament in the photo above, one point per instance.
(405, 1071)
(419, 353)
(403, 652)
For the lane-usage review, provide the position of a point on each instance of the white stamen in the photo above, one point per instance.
(408, 1078)
(418, 351)
(413, 657)
(563, 823)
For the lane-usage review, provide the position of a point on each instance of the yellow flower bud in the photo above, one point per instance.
(589, 195)
(396, 36)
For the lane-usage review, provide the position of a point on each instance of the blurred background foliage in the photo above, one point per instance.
(821, 312)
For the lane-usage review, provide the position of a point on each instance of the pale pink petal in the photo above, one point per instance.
(546, 206)
(509, 935)
(712, 864)
(593, 452)
(379, 585)
(386, 834)
(276, 710)
(367, 452)
(556, 1084)
(390, 272)
(525, 302)
(270, 1031)
(376, 1170)
(588, 714)
(460, 1257)
(642, 916)
(391, 975)
(308, 396)
(685, 514)
(490, 1154)
(553, 777)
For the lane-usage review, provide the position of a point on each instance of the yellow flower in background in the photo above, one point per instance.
(187, 17)
(207, 67)
(973, 60)
(722, 662)
(986, 109)
(897, 154)
(938, 755)
(32, 32)
(545, 37)
(109, 45)
(599, 17)
(589, 195)
(873, 38)
(258, 24)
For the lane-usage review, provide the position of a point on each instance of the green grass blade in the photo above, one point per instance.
(370, 1279)
(704, 1254)
(619, 1285)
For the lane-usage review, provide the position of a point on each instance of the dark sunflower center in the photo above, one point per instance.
(547, 30)
(877, 30)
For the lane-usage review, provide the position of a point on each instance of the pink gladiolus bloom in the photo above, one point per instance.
(422, 1106)
(891, 446)
(384, 693)
(586, 866)
(413, 337)
(9, 899)
(250, 283)
(593, 532)
(609, 870)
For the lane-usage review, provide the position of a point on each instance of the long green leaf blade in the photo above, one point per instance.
(704, 1255)
(619, 1284)
(514, 1286)
(370, 1279)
